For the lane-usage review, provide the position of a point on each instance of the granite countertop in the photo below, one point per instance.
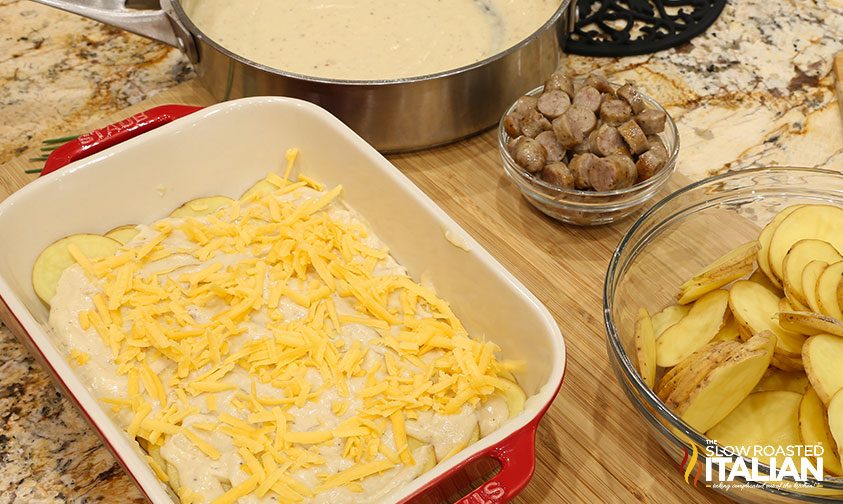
(757, 86)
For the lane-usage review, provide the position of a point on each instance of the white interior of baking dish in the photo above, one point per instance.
(223, 150)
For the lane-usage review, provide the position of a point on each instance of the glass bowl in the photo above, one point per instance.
(589, 208)
(670, 242)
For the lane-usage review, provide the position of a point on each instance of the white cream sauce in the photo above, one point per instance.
(368, 39)
(210, 478)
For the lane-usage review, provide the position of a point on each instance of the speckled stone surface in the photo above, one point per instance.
(756, 89)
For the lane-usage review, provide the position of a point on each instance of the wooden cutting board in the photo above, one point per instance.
(592, 446)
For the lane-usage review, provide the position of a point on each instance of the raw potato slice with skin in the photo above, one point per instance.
(763, 280)
(802, 253)
(514, 397)
(754, 307)
(810, 276)
(669, 317)
(123, 234)
(811, 323)
(729, 331)
(827, 286)
(835, 419)
(696, 329)
(724, 270)
(56, 258)
(764, 244)
(645, 347)
(673, 375)
(201, 206)
(823, 355)
(763, 419)
(728, 384)
(813, 426)
(776, 379)
(821, 222)
(787, 362)
(698, 371)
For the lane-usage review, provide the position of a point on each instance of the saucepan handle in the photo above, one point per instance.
(517, 458)
(156, 24)
(113, 134)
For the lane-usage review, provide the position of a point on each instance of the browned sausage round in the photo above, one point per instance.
(555, 151)
(526, 104)
(615, 112)
(533, 123)
(580, 167)
(553, 103)
(572, 126)
(634, 136)
(558, 174)
(612, 172)
(529, 154)
(650, 163)
(655, 142)
(512, 124)
(606, 140)
(582, 147)
(599, 83)
(651, 121)
(558, 81)
(587, 98)
(632, 96)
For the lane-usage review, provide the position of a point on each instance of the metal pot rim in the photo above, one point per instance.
(196, 32)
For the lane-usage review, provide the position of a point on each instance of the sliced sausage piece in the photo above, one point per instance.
(555, 151)
(572, 126)
(580, 167)
(512, 124)
(533, 123)
(581, 148)
(510, 145)
(634, 136)
(657, 144)
(650, 163)
(587, 98)
(612, 172)
(629, 93)
(651, 121)
(553, 103)
(615, 112)
(558, 174)
(606, 140)
(558, 81)
(526, 104)
(599, 83)
(529, 154)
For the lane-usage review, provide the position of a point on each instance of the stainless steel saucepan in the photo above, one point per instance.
(393, 115)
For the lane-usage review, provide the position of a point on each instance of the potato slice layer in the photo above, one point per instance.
(762, 419)
(201, 206)
(827, 286)
(261, 188)
(669, 317)
(814, 429)
(696, 329)
(802, 253)
(56, 258)
(754, 307)
(764, 244)
(823, 355)
(821, 222)
(645, 347)
(810, 277)
(724, 270)
(776, 379)
(835, 420)
(123, 234)
(811, 323)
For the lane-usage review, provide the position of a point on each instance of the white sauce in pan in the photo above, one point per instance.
(368, 39)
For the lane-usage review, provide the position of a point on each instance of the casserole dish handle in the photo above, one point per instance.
(113, 134)
(517, 458)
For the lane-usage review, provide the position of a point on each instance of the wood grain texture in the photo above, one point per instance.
(592, 446)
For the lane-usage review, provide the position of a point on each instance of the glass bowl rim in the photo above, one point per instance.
(646, 397)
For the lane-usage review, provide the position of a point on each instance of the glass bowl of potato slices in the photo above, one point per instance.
(723, 310)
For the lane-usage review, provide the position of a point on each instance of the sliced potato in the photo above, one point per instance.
(762, 419)
(776, 379)
(703, 356)
(821, 222)
(787, 362)
(728, 384)
(645, 347)
(827, 286)
(56, 258)
(724, 270)
(696, 329)
(764, 243)
(835, 420)
(669, 317)
(123, 234)
(813, 426)
(703, 363)
(802, 253)
(514, 397)
(261, 188)
(810, 276)
(729, 331)
(754, 307)
(822, 357)
(811, 323)
(763, 280)
(201, 206)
